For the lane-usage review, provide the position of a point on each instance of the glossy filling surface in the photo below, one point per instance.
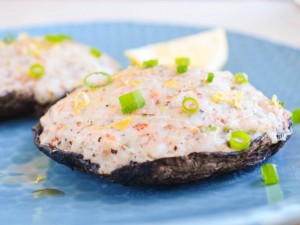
(90, 121)
(65, 64)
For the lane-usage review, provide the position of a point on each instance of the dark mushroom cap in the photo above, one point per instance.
(171, 170)
(14, 105)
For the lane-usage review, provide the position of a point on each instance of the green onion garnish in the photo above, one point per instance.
(296, 116)
(182, 68)
(57, 38)
(282, 104)
(239, 140)
(227, 129)
(241, 78)
(189, 105)
(211, 128)
(182, 61)
(210, 77)
(132, 101)
(8, 39)
(269, 174)
(182, 64)
(95, 52)
(90, 80)
(36, 71)
(150, 63)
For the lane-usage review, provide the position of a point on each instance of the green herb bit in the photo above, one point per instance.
(132, 101)
(210, 77)
(227, 129)
(89, 80)
(182, 64)
(36, 71)
(182, 61)
(241, 78)
(58, 38)
(296, 116)
(182, 69)
(211, 128)
(189, 105)
(95, 52)
(269, 174)
(239, 140)
(150, 63)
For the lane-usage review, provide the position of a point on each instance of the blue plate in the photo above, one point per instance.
(239, 198)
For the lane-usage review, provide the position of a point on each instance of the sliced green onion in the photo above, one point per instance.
(239, 140)
(296, 116)
(211, 128)
(182, 64)
(210, 77)
(189, 105)
(227, 129)
(182, 68)
(95, 52)
(150, 63)
(241, 78)
(36, 71)
(57, 38)
(87, 81)
(282, 104)
(269, 174)
(132, 101)
(8, 39)
(182, 61)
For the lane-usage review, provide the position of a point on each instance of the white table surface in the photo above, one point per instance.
(278, 20)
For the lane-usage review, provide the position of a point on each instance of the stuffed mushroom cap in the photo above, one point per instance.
(37, 71)
(163, 141)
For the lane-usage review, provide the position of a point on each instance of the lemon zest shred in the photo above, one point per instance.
(274, 100)
(163, 108)
(218, 97)
(134, 82)
(172, 83)
(233, 98)
(120, 125)
(123, 124)
(237, 99)
(81, 100)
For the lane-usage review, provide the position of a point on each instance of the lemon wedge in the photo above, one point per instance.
(207, 50)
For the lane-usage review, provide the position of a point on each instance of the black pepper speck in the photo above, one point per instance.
(113, 151)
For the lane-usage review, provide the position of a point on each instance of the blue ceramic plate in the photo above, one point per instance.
(239, 198)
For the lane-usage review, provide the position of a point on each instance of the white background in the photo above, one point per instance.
(277, 20)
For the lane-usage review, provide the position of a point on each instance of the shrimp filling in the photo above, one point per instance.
(99, 130)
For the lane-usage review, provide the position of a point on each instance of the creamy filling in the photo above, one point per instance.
(65, 66)
(91, 123)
